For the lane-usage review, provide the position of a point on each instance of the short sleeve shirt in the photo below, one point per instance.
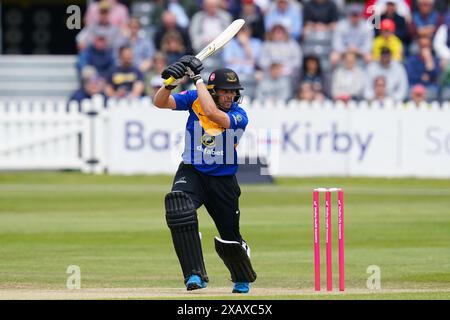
(208, 146)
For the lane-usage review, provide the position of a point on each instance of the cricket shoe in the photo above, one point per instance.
(194, 282)
(241, 287)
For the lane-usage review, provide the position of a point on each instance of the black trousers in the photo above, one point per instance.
(219, 195)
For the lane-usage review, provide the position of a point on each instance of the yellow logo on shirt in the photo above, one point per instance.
(120, 78)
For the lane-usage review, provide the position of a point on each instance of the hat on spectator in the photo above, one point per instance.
(355, 9)
(88, 72)
(418, 89)
(104, 5)
(387, 24)
(248, 1)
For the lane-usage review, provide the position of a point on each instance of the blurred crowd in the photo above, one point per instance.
(374, 50)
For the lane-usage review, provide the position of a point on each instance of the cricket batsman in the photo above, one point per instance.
(206, 176)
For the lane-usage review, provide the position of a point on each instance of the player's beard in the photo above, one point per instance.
(225, 105)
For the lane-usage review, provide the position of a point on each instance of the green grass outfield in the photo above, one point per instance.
(114, 229)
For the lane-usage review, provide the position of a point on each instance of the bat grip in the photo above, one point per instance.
(169, 81)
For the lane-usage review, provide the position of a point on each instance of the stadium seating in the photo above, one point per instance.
(37, 77)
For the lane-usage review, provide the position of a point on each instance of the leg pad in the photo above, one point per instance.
(236, 257)
(181, 217)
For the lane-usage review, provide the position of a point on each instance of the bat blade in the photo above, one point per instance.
(221, 40)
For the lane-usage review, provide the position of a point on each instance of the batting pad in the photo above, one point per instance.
(181, 217)
(236, 259)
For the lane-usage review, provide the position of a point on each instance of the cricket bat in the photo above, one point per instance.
(221, 40)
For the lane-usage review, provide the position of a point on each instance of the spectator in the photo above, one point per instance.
(312, 73)
(288, 11)
(305, 92)
(352, 34)
(143, 49)
(118, 15)
(176, 8)
(169, 23)
(91, 84)
(387, 39)
(253, 17)
(348, 80)
(423, 68)
(205, 26)
(320, 15)
(280, 47)
(418, 94)
(153, 76)
(241, 55)
(274, 86)
(172, 46)
(114, 35)
(99, 55)
(401, 28)
(320, 18)
(426, 20)
(380, 90)
(125, 81)
(394, 73)
(441, 41)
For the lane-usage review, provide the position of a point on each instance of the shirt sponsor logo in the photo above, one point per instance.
(208, 140)
(211, 152)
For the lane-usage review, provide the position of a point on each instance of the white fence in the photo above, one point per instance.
(296, 139)
(36, 135)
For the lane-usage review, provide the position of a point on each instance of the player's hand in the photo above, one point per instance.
(193, 67)
(176, 70)
(192, 63)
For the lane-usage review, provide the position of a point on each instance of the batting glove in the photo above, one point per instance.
(176, 70)
(193, 67)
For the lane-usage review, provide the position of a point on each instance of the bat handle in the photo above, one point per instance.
(169, 81)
